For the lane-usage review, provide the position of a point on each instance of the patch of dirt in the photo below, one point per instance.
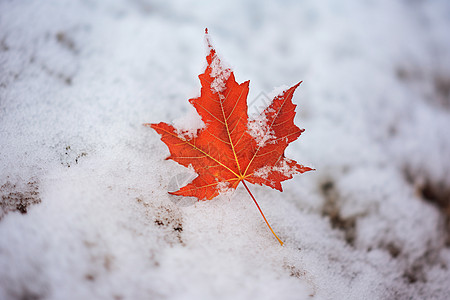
(167, 219)
(64, 78)
(434, 86)
(442, 89)
(296, 272)
(414, 274)
(100, 258)
(66, 42)
(3, 45)
(71, 156)
(393, 249)
(332, 211)
(436, 193)
(29, 295)
(18, 197)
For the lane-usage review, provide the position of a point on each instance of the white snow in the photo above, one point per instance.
(225, 189)
(220, 73)
(281, 167)
(260, 130)
(278, 91)
(258, 127)
(79, 78)
(189, 123)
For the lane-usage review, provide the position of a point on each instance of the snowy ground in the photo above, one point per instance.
(85, 212)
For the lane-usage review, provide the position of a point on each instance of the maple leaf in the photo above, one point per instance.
(231, 148)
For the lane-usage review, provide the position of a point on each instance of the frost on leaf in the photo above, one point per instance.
(283, 167)
(261, 131)
(225, 188)
(220, 75)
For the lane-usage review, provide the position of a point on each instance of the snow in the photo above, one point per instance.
(85, 212)
(281, 167)
(258, 127)
(189, 124)
(220, 75)
(278, 91)
(260, 130)
(225, 189)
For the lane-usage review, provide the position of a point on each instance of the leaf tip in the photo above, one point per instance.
(151, 125)
(210, 48)
(304, 169)
(296, 86)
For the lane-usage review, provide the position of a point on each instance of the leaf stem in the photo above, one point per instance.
(251, 195)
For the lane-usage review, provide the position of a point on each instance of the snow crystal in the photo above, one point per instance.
(225, 189)
(220, 75)
(263, 172)
(278, 91)
(260, 131)
(257, 125)
(284, 168)
(281, 167)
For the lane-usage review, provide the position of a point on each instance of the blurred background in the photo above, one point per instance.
(78, 78)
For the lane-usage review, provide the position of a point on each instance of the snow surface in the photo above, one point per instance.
(220, 75)
(85, 212)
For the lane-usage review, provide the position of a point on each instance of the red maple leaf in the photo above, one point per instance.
(231, 148)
